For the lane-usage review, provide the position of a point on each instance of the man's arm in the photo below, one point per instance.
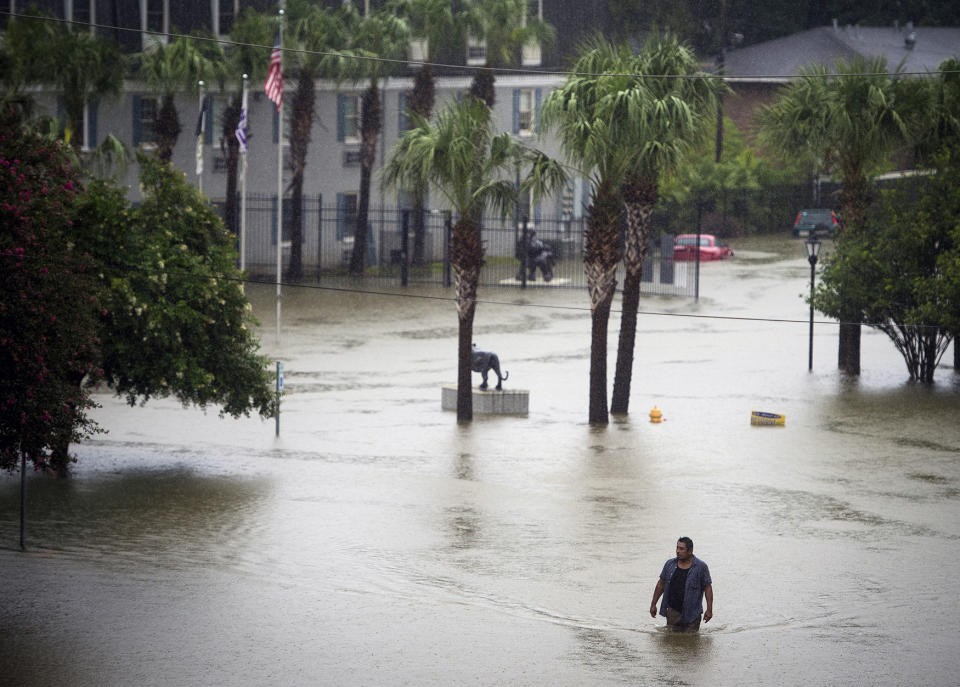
(657, 593)
(708, 593)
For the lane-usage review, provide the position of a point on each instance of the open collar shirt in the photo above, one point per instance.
(698, 579)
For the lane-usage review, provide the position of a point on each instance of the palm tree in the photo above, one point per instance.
(853, 121)
(505, 27)
(315, 31)
(252, 29)
(172, 68)
(458, 154)
(81, 66)
(576, 109)
(433, 22)
(383, 36)
(659, 120)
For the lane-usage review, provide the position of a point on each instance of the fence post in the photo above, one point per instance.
(523, 254)
(404, 244)
(447, 229)
(319, 236)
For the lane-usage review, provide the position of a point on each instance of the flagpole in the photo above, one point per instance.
(279, 188)
(203, 127)
(243, 184)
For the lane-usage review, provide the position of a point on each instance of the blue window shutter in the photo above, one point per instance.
(537, 99)
(136, 121)
(208, 125)
(92, 109)
(516, 110)
(276, 125)
(341, 216)
(403, 122)
(341, 119)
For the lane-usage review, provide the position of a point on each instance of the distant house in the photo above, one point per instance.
(756, 72)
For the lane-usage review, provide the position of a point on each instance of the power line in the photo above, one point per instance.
(544, 306)
(650, 313)
(497, 70)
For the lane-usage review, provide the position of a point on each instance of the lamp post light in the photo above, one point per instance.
(813, 252)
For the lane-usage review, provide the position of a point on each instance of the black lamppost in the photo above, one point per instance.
(813, 252)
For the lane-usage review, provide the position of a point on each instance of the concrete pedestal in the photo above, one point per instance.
(506, 402)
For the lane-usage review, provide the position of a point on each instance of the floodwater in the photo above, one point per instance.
(376, 542)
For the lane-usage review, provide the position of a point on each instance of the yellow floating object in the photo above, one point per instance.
(758, 417)
(656, 415)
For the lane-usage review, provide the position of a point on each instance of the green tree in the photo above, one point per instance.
(852, 121)
(575, 109)
(903, 276)
(315, 33)
(659, 120)
(177, 321)
(173, 68)
(48, 306)
(379, 42)
(458, 155)
(83, 68)
(434, 23)
(505, 26)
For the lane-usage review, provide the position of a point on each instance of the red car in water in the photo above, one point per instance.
(685, 248)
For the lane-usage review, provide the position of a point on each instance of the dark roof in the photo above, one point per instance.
(782, 58)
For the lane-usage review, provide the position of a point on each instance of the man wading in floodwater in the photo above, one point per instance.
(684, 581)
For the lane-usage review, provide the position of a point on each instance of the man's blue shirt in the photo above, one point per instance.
(697, 579)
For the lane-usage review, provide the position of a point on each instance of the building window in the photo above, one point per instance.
(287, 114)
(348, 117)
(226, 15)
(145, 111)
(154, 15)
(346, 215)
(79, 11)
(476, 51)
(154, 22)
(525, 112)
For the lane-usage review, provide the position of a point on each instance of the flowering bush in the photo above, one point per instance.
(48, 307)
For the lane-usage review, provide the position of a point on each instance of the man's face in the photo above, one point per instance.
(683, 554)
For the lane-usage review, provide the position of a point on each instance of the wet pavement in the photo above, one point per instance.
(376, 542)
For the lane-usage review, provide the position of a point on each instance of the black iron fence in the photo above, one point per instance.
(326, 245)
(319, 247)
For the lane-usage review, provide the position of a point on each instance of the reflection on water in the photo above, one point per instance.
(378, 542)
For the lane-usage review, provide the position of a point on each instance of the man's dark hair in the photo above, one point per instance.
(688, 542)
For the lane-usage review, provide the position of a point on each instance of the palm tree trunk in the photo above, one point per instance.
(168, 128)
(369, 130)
(231, 117)
(419, 228)
(466, 256)
(623, 373)
(599, 323)
(639, 198)
(853, 202)
(301, 123)
(600, 257)
(421, 101)
(482, 86)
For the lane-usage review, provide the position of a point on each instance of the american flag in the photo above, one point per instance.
(274, 83)
(242, 124)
